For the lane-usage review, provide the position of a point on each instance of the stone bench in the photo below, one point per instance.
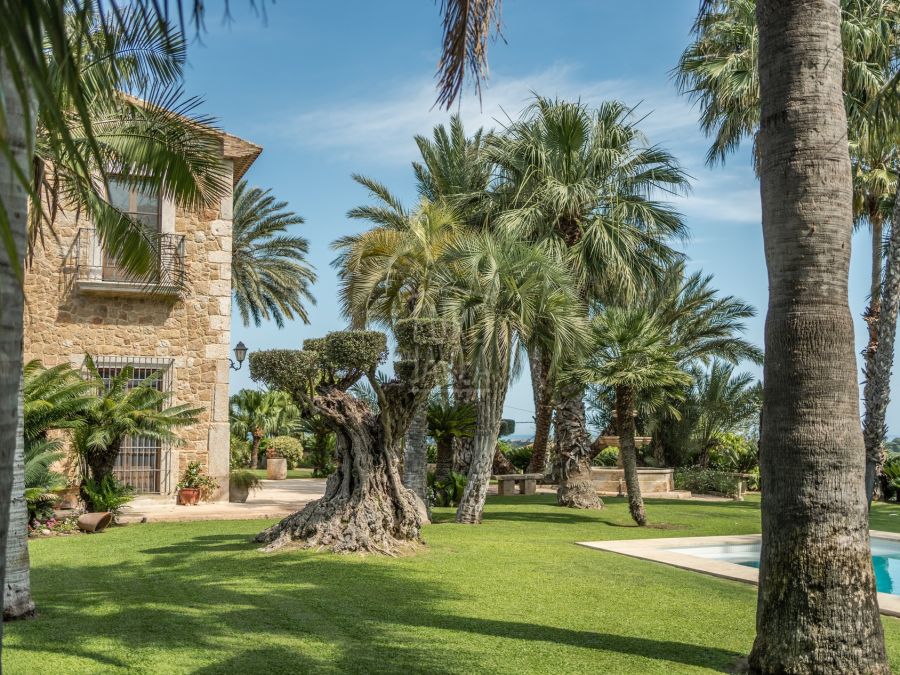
(527, 482)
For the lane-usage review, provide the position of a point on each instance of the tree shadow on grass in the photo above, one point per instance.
(212, 604)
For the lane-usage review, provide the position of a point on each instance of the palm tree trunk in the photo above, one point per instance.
(573, 453)
(19, 132)
(880, 357)
(17, 601)
(415, 455)
(817, 609)
(464, 393)
(487, 431)
(543, 408)
(254, 451)
(625, 418)
(445, 459)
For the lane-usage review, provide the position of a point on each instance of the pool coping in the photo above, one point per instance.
(655, 550)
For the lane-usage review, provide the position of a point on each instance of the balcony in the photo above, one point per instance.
(93, 270)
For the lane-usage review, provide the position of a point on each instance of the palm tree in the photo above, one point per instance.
(815, 560)
(123, 408)
(725, 402)
(719, 70)
(632, 354)
(270, 276)
(586, 181)
(259, 414)
(505, 291)
(392, 272)
(448, 421)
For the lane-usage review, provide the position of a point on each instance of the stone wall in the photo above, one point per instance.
(62, 324)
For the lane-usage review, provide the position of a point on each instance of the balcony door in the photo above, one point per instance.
(143, 207)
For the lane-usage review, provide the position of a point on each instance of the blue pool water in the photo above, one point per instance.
(885, 559)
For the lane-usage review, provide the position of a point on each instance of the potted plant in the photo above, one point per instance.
(240, 483)
(104, 500)
(276, 465)
(195, 485)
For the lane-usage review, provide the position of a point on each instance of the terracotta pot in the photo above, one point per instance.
(276, 468)
(189, 496)
(238, 493)
(94, 522)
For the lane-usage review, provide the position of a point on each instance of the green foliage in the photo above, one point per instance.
(893, 445)
(240, 451)
(349, 350)
(287, 447)
(608, 456)
(518, 456)
(107, 494)
(290, 370)
(414, 333)
(270, 275)
(736, 453)
(431, 453)
(194, 476)
(447, 420)
(705, 481)
(890, 477)
(321, 454)
(507, 427)
(39, 503)
(448, 492)
(243, 478)
(121, 410)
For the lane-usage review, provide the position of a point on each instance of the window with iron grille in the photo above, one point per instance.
(143, 463)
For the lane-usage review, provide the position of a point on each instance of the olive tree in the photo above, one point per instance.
(365, 508)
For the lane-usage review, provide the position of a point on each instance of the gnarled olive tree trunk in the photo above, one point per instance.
(365, 508)
(487, 431)
(543, 408)
(573, 453)
(625, 420)
(817, 608)
(17, 600)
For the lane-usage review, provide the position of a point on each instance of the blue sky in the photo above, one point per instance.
(329, 89)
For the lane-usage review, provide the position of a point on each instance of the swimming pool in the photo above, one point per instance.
(885, 559)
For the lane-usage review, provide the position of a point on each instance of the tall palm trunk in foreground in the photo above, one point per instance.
(17, 600)
(880, 360)
(817, 608)
(625, 418)
(19, 132)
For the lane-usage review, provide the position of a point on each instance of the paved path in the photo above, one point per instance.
(276, 499)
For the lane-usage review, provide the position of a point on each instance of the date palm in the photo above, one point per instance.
(632, 354)
(587, 181)
(815, 560)
(270, 275)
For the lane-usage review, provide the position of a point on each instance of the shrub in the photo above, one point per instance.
(448, 492)
(519, 457)
(890, 477)
(288, 447)
(608, 456)
(40, 503)
(108, 495)
(243, 478)
(705, 481)
(431, 453)
(195, 477)
(736, 453)
(240, 451)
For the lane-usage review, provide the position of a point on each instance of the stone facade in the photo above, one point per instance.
(69, 314)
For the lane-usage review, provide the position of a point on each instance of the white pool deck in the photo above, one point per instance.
(657, 550)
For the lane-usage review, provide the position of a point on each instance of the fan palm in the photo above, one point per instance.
(719, 70)
(122, 409)
(258, 414)
(270, 275)
(507, 293)
(587, 181)
(632, 354)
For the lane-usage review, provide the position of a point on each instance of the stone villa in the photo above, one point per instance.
(78, 302)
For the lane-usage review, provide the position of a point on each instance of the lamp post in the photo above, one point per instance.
(240, 353)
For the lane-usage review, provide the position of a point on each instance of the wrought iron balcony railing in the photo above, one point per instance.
(94, 270)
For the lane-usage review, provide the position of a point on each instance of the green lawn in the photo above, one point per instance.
(514, 595)
(292, 473)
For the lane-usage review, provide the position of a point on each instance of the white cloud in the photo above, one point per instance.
(381, 130)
